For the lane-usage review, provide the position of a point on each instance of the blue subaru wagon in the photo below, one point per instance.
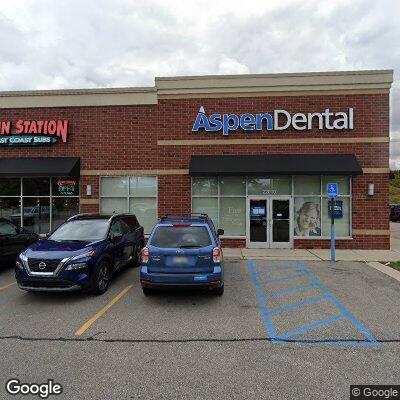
(183, 251)
(82, 254)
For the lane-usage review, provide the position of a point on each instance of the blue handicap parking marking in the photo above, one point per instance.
(298, 270)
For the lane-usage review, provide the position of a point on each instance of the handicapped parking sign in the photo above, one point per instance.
(332, 190)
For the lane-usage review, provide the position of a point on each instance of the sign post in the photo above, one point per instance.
(332, 190)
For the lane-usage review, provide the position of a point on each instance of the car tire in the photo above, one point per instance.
(137, 255)
(148, 291)
(219, 291)
(101, 278)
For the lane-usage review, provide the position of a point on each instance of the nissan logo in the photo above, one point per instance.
(42, 265)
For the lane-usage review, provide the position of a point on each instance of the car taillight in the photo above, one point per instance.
(217, 254)
(145, 255)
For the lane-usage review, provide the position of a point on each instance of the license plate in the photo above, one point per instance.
(200, 278)
(179, 260)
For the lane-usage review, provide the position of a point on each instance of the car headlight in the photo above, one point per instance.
(75, 266)
(23, 257)
(88, 254)
(19, 265)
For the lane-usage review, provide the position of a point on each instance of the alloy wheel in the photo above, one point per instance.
(103, 277)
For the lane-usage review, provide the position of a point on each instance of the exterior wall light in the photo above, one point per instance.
(88, 190)
(371, 189)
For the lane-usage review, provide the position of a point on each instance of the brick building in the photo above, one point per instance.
(253, 151)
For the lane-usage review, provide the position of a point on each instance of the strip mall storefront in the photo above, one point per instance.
(255, 152)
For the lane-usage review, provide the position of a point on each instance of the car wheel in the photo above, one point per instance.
(148, 292)
(219, 291)
(137, 255)
(101, 278)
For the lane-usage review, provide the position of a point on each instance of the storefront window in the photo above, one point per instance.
(36, 214)
(208, 205)
(342, 218)
(113, 205)
(224, 200)
(311, 212)
(10, 187)
(269, 186)
(233, 215)
(143, 186)
(114, 186)
(36, 186)
(130, 194)
(232, 186)
(205, 187)
(145, 210)
(62, 209)
(38, 208)
(307, 185)
(10, 208)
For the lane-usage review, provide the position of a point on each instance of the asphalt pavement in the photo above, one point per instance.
(287, 329)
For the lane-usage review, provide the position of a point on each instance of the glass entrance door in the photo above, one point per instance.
(269, 222)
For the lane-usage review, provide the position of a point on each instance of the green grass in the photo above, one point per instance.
(394, 195)
(394, 265)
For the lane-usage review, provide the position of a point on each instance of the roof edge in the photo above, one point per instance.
(363, 81)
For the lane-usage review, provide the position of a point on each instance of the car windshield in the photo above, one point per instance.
(181, 237)
(81, 231)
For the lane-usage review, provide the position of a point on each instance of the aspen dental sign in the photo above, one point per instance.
(33, 133)
(278, 120)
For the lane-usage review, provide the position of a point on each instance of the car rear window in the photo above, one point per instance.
(181, 236)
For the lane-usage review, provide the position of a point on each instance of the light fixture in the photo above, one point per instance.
(371, 189)
(88, 190)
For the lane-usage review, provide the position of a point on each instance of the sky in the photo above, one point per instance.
(47, 44)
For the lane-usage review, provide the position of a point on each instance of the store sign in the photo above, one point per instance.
(33, 133)
(66, 187)
(279, 120)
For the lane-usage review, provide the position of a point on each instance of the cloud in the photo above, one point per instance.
(98, 43)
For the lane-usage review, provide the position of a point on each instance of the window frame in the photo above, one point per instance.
(50, 196)
(292, 196)
(128, 194)
(321, 197)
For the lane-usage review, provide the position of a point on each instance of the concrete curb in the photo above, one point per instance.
(385, 269)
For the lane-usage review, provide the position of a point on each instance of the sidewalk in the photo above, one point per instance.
(311, 254)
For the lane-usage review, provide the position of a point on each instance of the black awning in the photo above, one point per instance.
(40, 166)
(275, 164)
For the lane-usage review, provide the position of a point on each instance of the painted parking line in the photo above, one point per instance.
(263, 295)
(7, 286)
(88, 324)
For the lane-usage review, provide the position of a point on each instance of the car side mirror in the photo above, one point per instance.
(20, 229)
(220, 232)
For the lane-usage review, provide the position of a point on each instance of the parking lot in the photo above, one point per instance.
(283, 329)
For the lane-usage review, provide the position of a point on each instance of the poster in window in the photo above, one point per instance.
(307, 216)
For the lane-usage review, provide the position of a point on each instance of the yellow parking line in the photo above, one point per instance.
(7, 286)
(99, 314)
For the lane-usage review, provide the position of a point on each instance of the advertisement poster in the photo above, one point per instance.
(307, 212)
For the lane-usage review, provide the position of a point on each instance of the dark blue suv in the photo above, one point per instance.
(183, 251)
(83, 253)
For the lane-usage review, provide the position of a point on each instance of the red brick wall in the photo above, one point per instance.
(125, 137)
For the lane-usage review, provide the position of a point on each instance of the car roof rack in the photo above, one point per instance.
(200, 216)
(76, 216)
(94, 215)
